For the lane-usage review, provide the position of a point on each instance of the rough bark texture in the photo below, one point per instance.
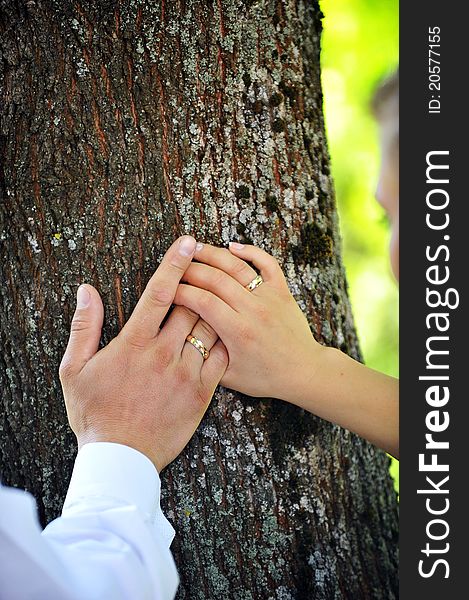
(124, 124)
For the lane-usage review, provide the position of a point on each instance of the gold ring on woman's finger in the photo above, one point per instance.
(256, 282)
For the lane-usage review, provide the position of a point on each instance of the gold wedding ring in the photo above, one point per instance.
(256, 282)
(199, 345)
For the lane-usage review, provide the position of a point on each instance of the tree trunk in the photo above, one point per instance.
(124, 124)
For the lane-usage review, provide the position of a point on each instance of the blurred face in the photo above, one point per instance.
(387, 191)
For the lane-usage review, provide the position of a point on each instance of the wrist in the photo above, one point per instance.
(106, 474)
(305, 379)
(92, 437)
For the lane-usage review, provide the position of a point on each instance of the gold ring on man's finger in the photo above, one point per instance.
(198, 345)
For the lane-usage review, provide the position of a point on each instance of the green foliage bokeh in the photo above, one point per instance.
(360, 45)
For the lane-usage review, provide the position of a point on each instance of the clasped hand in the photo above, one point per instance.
(148, 388)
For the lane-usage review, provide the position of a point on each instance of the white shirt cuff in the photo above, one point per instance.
(115, 472)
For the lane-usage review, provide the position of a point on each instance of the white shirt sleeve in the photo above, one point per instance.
(112, 540)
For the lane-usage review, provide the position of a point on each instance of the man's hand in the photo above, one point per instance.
(147, 388)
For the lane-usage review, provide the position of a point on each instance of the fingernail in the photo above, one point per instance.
(199, 247)
(236, 246)
(187, 245)
(83, 297)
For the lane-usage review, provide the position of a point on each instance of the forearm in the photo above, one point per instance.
(341, 390)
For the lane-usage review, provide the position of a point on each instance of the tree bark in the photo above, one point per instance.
(124, 124)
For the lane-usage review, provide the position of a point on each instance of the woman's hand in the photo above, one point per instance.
(272, 352)
(148, 388)
(267, 336)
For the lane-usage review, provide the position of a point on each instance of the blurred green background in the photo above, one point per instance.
(360, 45)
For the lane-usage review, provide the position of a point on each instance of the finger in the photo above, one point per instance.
(215, 366)
(214, 311)
(207, 335)
(222, 259)
(179, 324)
(85, 331)
(219, 283)
(264, 262)
(145, 321)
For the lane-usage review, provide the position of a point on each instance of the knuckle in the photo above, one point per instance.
(132, 340)
(270, 259)
(79, 323)
(245, 334)
(218, 278)
(184, 374)
(177, 265)
(241, 268)
(276, 268)
(159, 296)
(185, 312)
(204, 331)
(206, 302)
(202, 395)
(164, 358)
(263, 313)
(65, 369)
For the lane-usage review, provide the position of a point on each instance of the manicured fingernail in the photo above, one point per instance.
(236, 246)
(83, 297)
(199, 247)
(187, 245)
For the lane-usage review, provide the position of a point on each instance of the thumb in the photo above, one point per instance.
(85, 331)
